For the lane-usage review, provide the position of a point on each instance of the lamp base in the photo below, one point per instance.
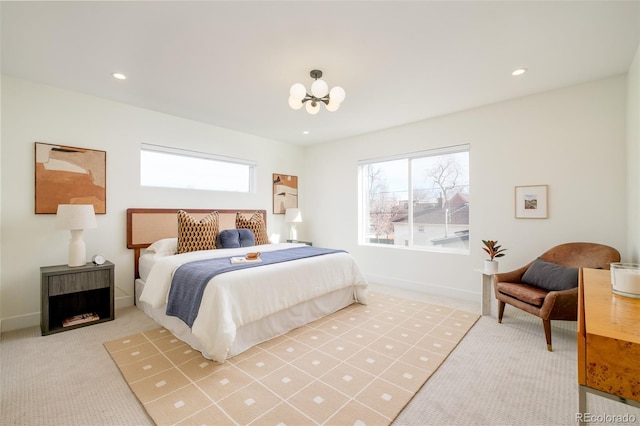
(77, 249)
(293, 234)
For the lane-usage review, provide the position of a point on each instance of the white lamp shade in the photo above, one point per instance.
(295, 103)
(298, 91)
(312, 109)
(337, 94)
(293, 216)
(319, 88)
(75, 216)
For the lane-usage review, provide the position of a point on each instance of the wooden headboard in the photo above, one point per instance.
(148, 225)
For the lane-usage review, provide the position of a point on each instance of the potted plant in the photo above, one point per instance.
(494, 251)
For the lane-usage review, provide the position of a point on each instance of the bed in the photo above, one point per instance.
(239, 308)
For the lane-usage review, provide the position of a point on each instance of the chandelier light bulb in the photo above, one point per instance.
(333, 106)
(312, 108)
(319, 88)
(295, 103)
(298, 92)
(337, 94)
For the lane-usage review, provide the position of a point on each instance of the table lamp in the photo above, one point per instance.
(293, 216)
(76, 218)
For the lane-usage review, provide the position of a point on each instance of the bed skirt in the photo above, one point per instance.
(256, 332)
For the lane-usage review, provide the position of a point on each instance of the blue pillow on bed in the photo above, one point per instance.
(234, 238)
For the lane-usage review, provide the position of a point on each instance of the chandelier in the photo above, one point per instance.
(320, 93)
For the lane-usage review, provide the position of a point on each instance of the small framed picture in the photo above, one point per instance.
(531, 202)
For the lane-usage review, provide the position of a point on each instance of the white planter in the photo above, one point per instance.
(490, 267)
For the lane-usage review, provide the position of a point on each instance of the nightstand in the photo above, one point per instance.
(69, 291)
(309, 243)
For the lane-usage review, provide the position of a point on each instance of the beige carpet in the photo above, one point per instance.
(360, 365)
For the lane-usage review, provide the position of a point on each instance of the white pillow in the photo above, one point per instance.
(166, 246)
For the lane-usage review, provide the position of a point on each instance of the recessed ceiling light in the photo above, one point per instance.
(306, 132)
(519, 71)
(119, 76)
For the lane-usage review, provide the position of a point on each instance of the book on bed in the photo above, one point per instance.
(243, 259)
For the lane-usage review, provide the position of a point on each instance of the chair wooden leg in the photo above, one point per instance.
(501, 305)
(547, 333)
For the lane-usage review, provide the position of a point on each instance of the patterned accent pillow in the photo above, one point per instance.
(256, 224)
(194, 235)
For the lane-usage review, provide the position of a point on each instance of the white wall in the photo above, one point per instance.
(573, 140)
(633, 159)
(32, 112)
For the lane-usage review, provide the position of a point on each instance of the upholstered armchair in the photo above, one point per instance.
(548, 286)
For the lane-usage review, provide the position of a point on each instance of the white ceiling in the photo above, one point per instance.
(231, 63)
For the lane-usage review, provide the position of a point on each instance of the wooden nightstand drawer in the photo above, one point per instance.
(82, 281)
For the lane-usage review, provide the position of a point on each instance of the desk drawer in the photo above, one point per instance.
(80, 281)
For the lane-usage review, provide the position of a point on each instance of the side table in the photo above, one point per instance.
(69, 291)
(486, 283)
(309, 243)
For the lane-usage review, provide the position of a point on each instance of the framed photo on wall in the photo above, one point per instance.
(285, 193)
(531, 202)
(69, 175)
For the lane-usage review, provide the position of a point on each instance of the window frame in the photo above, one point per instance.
(214, 158)
(363, 209)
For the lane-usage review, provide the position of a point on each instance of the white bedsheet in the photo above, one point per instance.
(237, 298)
(145, 263)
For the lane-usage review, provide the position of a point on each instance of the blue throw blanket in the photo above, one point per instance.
(190, 279)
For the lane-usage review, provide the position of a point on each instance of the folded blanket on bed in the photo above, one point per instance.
(190, 279)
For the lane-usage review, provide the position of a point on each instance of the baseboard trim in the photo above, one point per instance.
(470, 296)
(122, 302)
(20, 321)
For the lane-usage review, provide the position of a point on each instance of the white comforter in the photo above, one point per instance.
(236, 298)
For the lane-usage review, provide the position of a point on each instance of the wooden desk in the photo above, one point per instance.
(608, 341)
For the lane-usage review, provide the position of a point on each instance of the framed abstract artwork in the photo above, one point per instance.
(531, 202)
(69, 175)
(285, 193)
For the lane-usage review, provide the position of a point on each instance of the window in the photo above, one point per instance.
(178, 168)
(419, 200)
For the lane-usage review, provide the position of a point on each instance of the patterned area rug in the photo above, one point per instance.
(358, 366)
